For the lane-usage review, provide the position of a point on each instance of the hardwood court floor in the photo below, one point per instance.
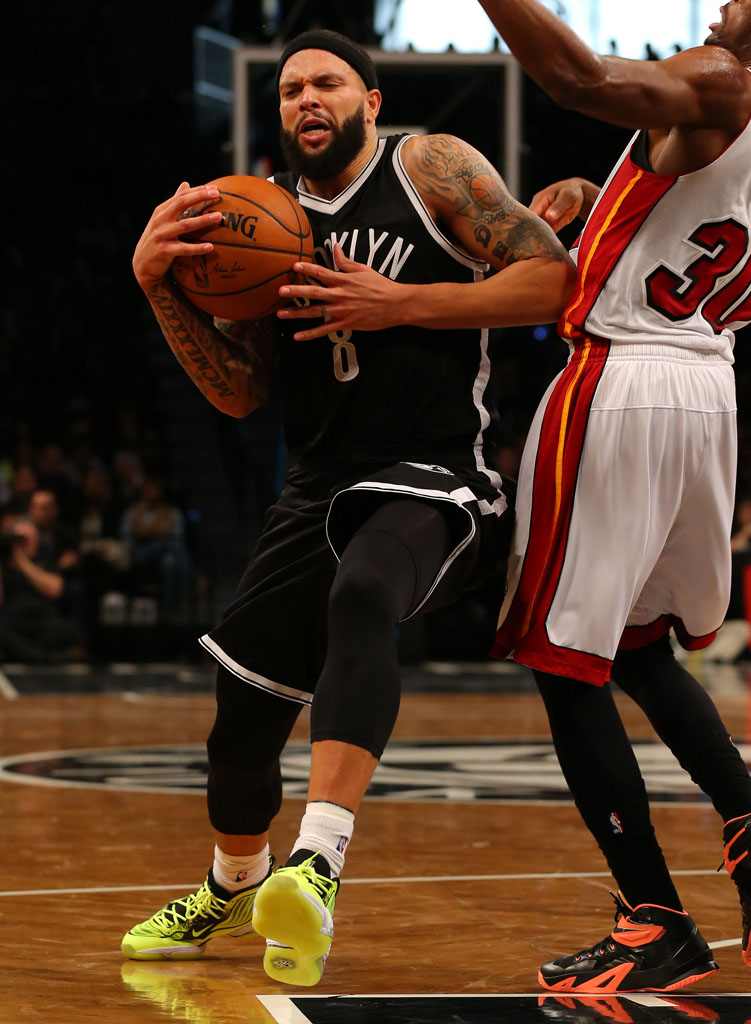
(464, 897)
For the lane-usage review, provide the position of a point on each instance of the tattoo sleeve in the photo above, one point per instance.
(472, 201)
(230, 363)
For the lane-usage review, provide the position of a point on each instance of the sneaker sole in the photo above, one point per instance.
(285, 964)
(177, 951)
(283, 914)
(595, 986)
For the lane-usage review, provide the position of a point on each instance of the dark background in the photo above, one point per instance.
(100, 125)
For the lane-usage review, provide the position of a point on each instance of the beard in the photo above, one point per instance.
(346, 142)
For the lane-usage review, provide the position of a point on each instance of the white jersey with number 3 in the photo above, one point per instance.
(667, 257)
(626, 486)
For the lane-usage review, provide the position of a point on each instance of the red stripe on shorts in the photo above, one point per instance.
(562, 433)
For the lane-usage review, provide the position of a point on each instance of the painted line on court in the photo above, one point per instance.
(284, 1011)
(7, 689)
(393, 880)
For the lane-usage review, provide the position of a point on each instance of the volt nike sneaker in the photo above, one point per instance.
(650, 948)
(181, 929)
(737, 838)
(293, 910)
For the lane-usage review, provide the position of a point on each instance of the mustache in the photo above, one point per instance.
(308, 117)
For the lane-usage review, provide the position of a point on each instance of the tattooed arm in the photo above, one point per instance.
(230, 363)
(468, 199)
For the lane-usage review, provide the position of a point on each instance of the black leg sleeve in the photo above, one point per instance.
(391, 561)
(251, 728)
(603, 775)
(685, 718)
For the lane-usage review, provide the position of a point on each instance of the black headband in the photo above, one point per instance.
(323, 39)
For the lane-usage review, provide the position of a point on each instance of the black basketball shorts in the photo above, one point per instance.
(273, 635)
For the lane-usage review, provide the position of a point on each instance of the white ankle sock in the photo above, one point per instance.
(236, 873)
(327, 829)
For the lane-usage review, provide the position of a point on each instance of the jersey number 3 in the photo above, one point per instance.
(679, 296)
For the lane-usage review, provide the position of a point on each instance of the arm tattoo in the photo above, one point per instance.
(462, 184)
(221, 366)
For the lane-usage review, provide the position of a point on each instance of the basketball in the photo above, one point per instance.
(262, 233)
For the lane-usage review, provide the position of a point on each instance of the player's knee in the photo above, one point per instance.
(360, 592)
(643, 666)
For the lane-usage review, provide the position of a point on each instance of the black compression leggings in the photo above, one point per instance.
(603, 775)
(685, 718)
(385, 571)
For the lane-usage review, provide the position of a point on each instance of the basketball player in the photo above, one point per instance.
(389, 507)
(626, 486)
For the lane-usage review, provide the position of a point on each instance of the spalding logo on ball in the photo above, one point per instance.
(262, 233)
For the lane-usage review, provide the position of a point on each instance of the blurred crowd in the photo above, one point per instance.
(82, 547)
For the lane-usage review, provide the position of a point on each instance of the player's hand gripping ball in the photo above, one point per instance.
(262, 233)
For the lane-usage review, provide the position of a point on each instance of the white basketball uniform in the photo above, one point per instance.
(627, 481)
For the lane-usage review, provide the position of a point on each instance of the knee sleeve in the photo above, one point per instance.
(385, 570)
(244, 789)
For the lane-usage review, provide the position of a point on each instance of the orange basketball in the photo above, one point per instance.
(262, 233)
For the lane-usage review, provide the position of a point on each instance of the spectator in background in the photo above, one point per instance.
(104, 557)
(153, 531)
(58, 540)
(58, 546)
(32, 626)
(55, 473)
(23, 484)
(128, 479)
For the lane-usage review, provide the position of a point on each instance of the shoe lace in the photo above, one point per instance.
(605, 945)
(325, 887)
(202, 903)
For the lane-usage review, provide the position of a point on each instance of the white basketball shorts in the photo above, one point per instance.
(624, 509)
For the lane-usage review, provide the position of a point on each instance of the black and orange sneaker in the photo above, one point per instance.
(650, 948)
(737, 838)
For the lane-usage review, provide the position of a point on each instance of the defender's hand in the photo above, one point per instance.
(561, 202)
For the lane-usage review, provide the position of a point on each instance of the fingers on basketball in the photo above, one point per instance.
(262, 234)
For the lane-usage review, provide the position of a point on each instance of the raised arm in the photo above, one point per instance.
(705, 87)
(230, 363)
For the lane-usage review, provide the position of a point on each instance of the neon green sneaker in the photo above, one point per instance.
(293, 910)
(181, 929)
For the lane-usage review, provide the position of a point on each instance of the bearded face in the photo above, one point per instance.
(326, 162)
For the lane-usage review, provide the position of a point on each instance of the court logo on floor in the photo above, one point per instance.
(466, 770)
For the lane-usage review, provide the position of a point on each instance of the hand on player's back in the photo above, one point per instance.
(160, 242)
(355, 297)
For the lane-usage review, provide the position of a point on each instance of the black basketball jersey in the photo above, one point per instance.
(403, 394)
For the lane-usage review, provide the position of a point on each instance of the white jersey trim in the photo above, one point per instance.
(422, 211)
(254, 678)
(458, 498)
(480, 268)
(330, 206)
